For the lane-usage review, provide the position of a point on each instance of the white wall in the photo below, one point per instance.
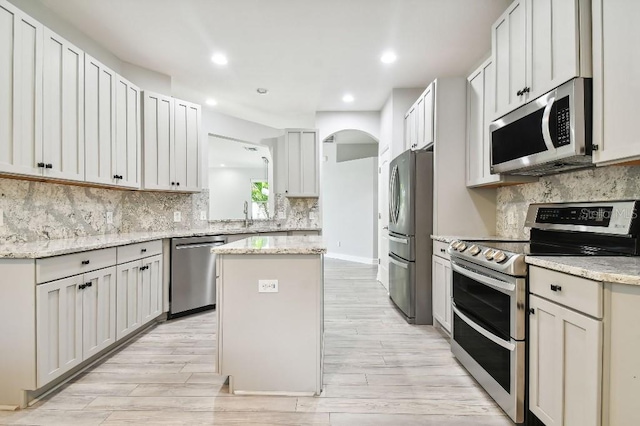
(229, 188)
(350, 207)
(329, 122)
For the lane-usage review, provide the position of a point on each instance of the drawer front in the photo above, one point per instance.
(54, 268)
(440, 249)
(577, 293)
(138, 251)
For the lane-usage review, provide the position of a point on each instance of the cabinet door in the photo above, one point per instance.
(63, 108)
(128, 298)
(565, 376)
(99, 121)
(407, 133)
(508, 44)
(428, 117)
(21, 86)
(98, 311)
(438, 289)
(448, 293)
(475, 127)
(157, 141)
(58, 327)
(151, 299)
(302, 152)
(420, 122)
(187, 146)
(616, 67)
(553, 44)
(126, 149)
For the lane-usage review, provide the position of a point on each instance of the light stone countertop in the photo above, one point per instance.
(274, 245)
(614, 269)
(48, 248)
(449, 238)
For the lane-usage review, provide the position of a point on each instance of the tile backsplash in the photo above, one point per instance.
(43, 210)
(595, 184)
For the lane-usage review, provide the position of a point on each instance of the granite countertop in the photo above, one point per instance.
(274, 245)
(618, 269)
(48, 248)
(449, 238)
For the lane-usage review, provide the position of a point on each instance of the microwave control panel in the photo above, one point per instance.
(563, 122)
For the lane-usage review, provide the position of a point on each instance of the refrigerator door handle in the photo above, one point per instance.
(400, 264)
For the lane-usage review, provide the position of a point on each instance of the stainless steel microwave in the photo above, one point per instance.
(548, 135)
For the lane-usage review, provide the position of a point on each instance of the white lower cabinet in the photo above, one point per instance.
(565, 355)
(98, 311)
(151, 295)
(441, 291)
(59, 327)
(128, 298)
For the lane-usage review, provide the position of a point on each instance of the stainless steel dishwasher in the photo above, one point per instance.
(193, 274)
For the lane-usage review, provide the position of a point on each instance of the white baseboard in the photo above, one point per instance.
(350, 258)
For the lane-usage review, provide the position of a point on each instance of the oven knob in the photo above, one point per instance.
(499, 256)
(474, 250)
(455, 244)
(462, 247)
(488, 254)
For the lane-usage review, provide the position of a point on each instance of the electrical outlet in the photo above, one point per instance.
(203, 215)
(511, 218)
(1, 218)
(177, 217)
(267, 286)
(109, 218)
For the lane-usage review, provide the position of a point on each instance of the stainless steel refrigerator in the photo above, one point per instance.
(410, 227)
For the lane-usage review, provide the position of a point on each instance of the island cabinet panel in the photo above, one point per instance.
(270, 341)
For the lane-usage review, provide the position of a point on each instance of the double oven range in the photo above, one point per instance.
(490, 300)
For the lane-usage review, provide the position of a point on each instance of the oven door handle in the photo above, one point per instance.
(495, 339)
(484, 279)
(546, 134)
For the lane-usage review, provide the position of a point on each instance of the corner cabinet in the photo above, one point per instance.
(616, 66)
(418, 122)
(537, 46)
(480, 99)
(171, 144)
(298, 163)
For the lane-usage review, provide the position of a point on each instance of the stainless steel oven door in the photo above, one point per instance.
(402, 289)
(497, 364)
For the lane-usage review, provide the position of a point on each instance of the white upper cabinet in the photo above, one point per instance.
(616, 87)
(157, 141)
(126, 157)
(418, 122)
(480, 101)
(63, 109)
(171, 141)
(298, 163)
(186, 163)
(20, 92)
(537, 45)
(99, 121)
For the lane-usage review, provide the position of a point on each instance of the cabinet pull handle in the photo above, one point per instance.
(85, 262)
(532, 311)
(89, 284)
(442, 250)
(49, 166)
(519, 93)
(40, 165)
(526, 90)
(556, 287)
(81, 286)
(144, 250)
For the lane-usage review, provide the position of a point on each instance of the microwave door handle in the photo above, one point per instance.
(495, 339)
(546, 134)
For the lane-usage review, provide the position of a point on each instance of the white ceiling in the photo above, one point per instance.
(308, 53)
(232, 153)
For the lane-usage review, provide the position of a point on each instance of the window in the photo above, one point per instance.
(259, 199)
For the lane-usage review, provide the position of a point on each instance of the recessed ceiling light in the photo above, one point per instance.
(262, 91)
(388, 57)
(219, 59)
(347, 98)
(212, 102)
(221, 165)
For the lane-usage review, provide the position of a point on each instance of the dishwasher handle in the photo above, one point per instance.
(199, 245)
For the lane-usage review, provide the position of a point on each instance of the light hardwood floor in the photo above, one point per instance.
(378, 371)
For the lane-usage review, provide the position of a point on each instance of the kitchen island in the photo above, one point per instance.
(270, 315)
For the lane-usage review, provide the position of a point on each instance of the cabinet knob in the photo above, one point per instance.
(40, 165)
(49, 166)
(442, 250)
(286, 191)
(173, 183)
(85, 262)
(177, 183)
(556, 287)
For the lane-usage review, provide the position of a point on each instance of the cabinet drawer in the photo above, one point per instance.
(138, 251)
(440, 249)
(53, 268)
(574, 292)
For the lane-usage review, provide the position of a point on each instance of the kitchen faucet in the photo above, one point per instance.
(246, 215)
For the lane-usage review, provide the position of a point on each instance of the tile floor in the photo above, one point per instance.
(378, 371)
